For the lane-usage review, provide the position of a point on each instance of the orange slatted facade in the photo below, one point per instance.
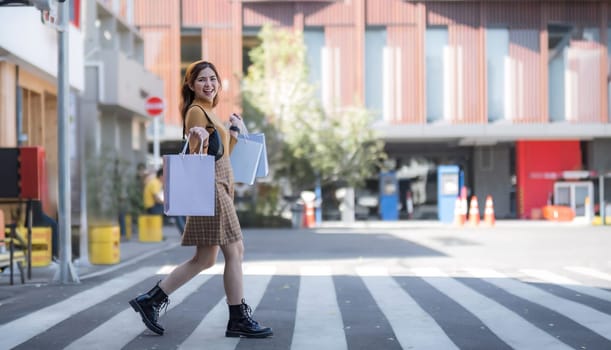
(161, 31)
(344, 22)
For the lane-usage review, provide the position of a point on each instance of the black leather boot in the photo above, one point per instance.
(241, 323)
(148, 306)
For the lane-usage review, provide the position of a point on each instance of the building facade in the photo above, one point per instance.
(109, 86)
(28, 86)
(510, 91)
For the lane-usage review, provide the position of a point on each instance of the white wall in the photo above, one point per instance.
(30, 42)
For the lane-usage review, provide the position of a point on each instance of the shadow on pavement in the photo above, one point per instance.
(305, 244)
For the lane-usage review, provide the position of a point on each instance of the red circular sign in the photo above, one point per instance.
(154, 106)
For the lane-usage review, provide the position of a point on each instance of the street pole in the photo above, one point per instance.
(67, 273)
(601, 199)
(156, 142)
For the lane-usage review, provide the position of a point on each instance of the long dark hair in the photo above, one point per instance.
(188, 95)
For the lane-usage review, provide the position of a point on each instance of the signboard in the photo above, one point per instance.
(154, 106)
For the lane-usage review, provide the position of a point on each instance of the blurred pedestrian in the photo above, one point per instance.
(208, 233)
(153, 200)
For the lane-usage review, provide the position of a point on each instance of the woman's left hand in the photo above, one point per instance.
(236, 122)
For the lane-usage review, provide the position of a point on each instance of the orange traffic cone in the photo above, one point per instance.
(489, 212)
(2, 237)
(474, 212)
(459, 219)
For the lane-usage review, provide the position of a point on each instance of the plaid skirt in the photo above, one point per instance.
(222, 228)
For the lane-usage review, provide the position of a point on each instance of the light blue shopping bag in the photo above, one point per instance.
(263, 167)
(245, 160)
(189, 187)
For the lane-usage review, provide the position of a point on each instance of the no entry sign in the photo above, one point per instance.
(154, 106)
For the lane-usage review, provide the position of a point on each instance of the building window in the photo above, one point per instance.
(497, 58)
(75, 12)
(136, 132)
(559, 37)
(436, 43)
(375, 43)
(190, 48)
(314, 41)
(573, 64)
(250, 40)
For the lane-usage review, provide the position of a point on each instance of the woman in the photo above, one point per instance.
(208, 233)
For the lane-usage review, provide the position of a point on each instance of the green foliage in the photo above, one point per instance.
(112, 188)
(303, 140)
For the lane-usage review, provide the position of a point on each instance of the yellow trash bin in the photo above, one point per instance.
(104, 245)
(150, 228)
(128, 227)
(41, 244)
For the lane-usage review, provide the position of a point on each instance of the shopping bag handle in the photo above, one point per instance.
(201, 145)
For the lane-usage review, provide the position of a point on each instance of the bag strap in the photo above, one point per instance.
(184, 126)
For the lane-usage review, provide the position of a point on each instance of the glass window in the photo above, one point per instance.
(497, 53)
(250, 40)
(190, 48)
(136, 139)
(435, 42)
(314, 41)
(375, 41)
(559, 37)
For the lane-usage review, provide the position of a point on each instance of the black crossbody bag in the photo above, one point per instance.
(215, 143)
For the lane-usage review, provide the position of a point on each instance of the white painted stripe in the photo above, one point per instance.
(585, 315)
(43, 319)
(413, 327)
(316, 271)
(590, 272)
(214, 270)
(318, 320)
(127, 324)
(210, 333)
(568, 283)
(259, 270)
(506, 324)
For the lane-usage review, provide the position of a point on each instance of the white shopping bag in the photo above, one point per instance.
(189, 187)
(245, 160)
(263, 167)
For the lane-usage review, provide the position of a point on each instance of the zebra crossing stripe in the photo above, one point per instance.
(567, 283)
(318, 321)
(413, 327)
(39, 321)
(590, 272)
(585, 315)
(127, 325)
(506, 324)
(211, 330)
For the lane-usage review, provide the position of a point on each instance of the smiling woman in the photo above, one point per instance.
(200, 89)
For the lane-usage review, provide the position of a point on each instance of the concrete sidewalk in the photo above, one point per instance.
(131, 252)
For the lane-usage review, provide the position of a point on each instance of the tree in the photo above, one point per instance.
(304, 141)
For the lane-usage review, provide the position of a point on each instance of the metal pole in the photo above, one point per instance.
(156, 142)
(67, 272)
(601, 198)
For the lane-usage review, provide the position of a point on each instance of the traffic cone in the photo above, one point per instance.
(489, 212)
(459, 219)
(309, 218)
(409, 203)
(474, 212)
(464, 208)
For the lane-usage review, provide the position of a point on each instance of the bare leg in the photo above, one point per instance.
(232, 276)
(205, 257)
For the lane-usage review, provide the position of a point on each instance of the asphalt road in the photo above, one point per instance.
(515, 286)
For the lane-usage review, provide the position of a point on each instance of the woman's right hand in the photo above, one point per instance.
(199, 131)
